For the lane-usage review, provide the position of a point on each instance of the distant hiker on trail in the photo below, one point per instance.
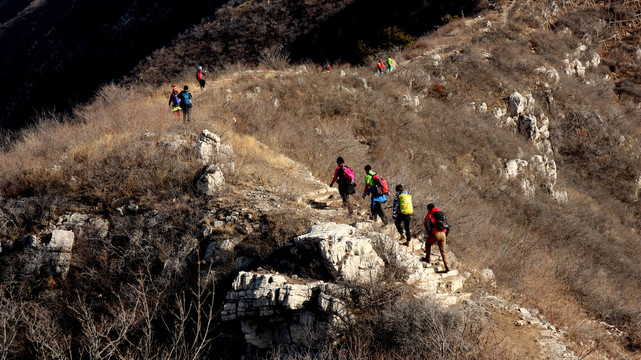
(186, 103)
(380, 68)
(390, 64)
(328, 67)
(377, 186)
(437, 229)
(200, 75)
(174, 101)
(346, 183)
(402, 212)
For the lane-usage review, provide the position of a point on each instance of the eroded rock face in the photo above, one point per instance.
(540, 171)
(53, 258)
(346, 254)
(273, 309)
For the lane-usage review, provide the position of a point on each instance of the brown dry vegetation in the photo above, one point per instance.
(573, 261)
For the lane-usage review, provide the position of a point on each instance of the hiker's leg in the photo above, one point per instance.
(397, 222)
(349, 206)
(378, 210)
(431, 240)
(406, 222)
(441, 240)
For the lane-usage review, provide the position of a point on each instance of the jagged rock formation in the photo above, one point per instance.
(276, 309)
(273, 309)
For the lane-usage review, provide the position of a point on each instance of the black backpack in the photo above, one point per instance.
(440, 221)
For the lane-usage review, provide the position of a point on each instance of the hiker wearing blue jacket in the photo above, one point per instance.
(186, 103)
(377, 200)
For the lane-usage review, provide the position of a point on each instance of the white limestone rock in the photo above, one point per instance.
(528, 188)
(515, 167)
(272, 310)
(61, 241)
(345, 253)
(517, 104)
(211, 181)
(412, 102)
(209, 137)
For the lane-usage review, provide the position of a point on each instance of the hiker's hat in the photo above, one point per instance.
(200, 68)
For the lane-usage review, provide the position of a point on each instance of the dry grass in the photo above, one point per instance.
(563, 259)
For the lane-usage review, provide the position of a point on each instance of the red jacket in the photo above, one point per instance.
(430, 217)
(199, 75)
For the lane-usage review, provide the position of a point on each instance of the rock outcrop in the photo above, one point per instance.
(53, 258)
(346, 254)
(273, 309)
(211, 181)
(276, 309)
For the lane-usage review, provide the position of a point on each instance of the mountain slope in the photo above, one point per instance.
(542, 186)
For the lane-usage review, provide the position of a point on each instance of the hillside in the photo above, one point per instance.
(513, 122)
(76, 48)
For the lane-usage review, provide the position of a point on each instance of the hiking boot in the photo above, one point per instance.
(402, 237)
(426, 259)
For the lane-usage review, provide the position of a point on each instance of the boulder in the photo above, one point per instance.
(517, 104)
(58, 252)
(211, 181)
(346, 254)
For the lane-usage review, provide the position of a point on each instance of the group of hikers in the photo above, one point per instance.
(183, 101)
(385, 67)
(435, 223)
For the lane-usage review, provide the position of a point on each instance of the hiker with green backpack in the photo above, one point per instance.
(402, 213)
(376, 185)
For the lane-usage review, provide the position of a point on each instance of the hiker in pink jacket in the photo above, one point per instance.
(346, 183)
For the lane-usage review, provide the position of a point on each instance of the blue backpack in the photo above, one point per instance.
(186, 97)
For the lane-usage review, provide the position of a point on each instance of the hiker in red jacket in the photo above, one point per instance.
(200, 75)
(436, 234)
(346, 183)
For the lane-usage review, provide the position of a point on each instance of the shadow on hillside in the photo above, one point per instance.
(337, 39)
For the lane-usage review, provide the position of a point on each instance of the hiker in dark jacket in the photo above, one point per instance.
(377, 200)
(186, 103)
(346, 187)
(402, 214)
(435, 236)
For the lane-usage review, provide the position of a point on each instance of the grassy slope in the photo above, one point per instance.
(563, 259)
